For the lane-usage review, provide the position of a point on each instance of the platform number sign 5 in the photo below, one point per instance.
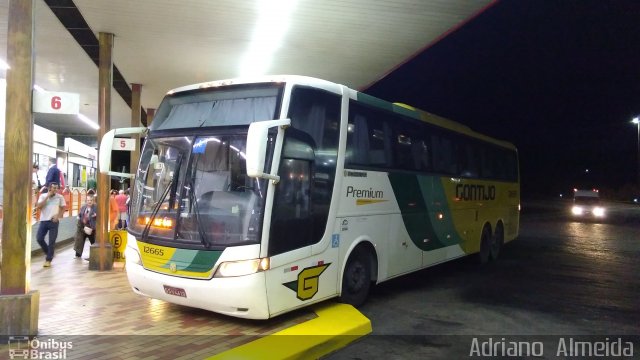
(124, 144)
(56, 102)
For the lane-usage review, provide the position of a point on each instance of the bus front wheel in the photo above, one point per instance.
(356, 279)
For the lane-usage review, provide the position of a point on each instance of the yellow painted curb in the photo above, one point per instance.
(336, 326)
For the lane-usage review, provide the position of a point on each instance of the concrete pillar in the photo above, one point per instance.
(101, 255)
(136, 115)
(150, 114)
(19, 305)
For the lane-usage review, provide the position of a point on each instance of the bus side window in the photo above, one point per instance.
(468, 159)
(486, 171)
(444, 158)
(420, 155)
(357, 140)
(403, 151)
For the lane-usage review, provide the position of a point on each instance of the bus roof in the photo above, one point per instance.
(399, 108)
(428, 117)
(298, 79)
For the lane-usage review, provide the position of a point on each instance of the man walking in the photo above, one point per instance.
(52, 206)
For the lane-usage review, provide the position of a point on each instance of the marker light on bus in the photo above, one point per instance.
(132, 255)
(165, 222)
(243, 267)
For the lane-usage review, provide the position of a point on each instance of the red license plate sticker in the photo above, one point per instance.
(175, 291)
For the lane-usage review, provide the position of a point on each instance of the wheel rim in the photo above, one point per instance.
(356, 277)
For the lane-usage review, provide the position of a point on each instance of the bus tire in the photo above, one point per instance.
(498, 241)
(485, 246)
(356, 279)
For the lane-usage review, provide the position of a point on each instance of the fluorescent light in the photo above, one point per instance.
(88, 121)
(270, 28)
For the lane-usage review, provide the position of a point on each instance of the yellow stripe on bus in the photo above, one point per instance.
(368, 201)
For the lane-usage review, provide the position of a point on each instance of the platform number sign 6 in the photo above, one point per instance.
(56, 102)
(49, 102)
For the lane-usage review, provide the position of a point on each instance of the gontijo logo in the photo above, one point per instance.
(475, 192)
(306, 287)
(365, 196)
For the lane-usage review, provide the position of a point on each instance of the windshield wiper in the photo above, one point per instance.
(158, 204)
(203, 235)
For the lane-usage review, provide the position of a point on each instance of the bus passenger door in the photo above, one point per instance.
(297, 277)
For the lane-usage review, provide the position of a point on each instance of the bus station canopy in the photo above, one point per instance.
(164, 44)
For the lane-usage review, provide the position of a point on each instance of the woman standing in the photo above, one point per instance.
(113, 210)
(86, 227)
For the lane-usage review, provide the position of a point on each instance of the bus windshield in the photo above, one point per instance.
(194, 191)
(191, 189)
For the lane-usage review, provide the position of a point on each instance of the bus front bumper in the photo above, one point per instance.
(242, 296)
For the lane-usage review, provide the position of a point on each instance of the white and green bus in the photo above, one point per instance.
(255, 197)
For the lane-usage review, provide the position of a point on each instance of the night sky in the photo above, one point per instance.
(559, 79)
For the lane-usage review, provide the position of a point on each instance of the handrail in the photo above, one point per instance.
(66, 193)
(78, 197)
(75, 205)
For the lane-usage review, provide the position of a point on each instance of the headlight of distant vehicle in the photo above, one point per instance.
(598, 211)
(577, 210)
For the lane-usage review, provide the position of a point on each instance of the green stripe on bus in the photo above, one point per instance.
(371, 100)
(203, 261)
(416, 196)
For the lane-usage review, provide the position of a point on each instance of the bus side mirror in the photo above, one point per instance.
(257, 139)
(106, 146)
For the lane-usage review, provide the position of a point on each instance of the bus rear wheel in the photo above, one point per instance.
(498, 241)
(356, 279)
(486, 243)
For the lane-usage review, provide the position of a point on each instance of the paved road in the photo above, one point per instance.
(560, 279)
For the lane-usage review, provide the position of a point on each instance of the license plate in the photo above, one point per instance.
(174, 291)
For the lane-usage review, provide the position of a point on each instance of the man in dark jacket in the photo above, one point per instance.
(53, 175)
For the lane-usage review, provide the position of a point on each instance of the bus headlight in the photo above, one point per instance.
(598, 211)
(243, 267)
(577, 210)
(132, 255)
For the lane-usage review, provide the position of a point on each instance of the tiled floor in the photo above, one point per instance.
(103, 319)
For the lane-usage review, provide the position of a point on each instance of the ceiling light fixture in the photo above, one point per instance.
(88, 121)
(268, 33)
